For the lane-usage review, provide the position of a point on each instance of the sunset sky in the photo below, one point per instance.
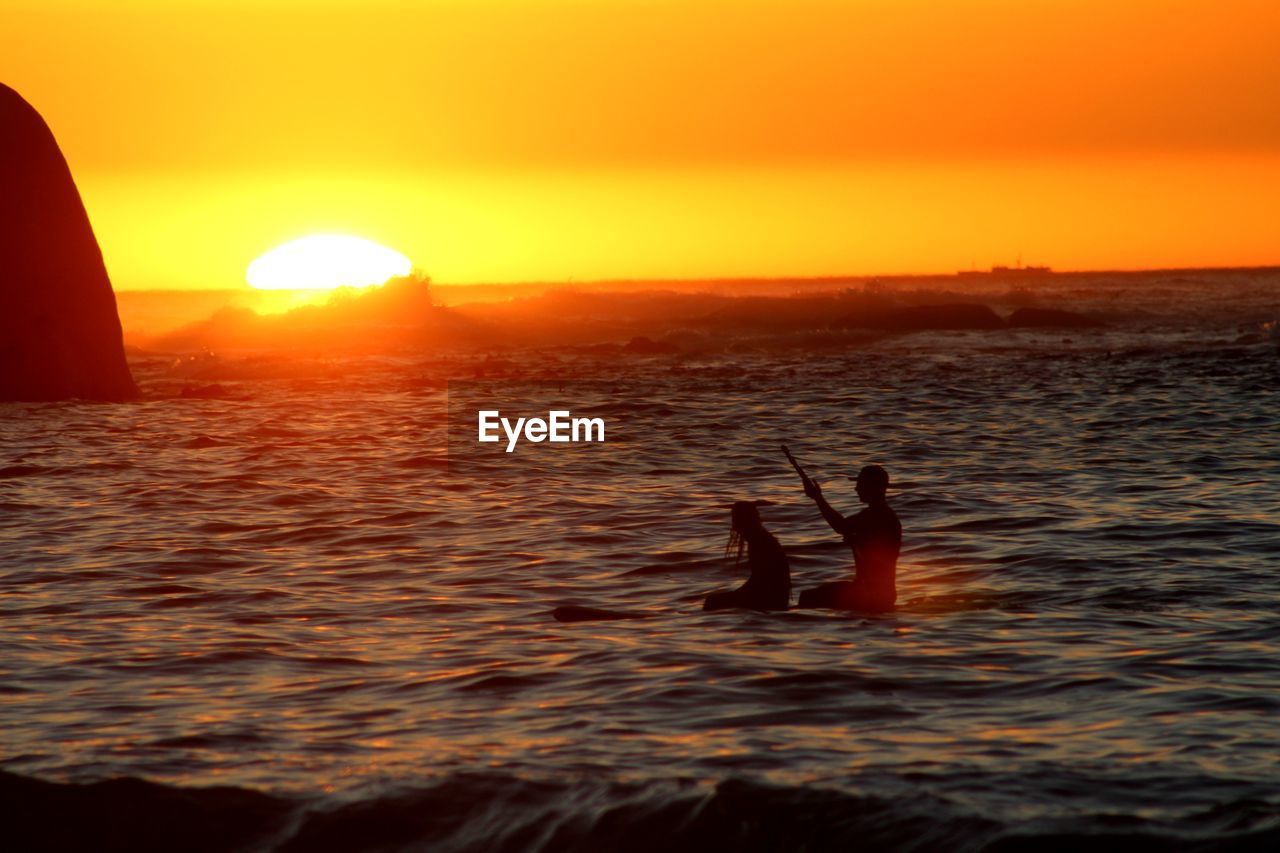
(507, 140)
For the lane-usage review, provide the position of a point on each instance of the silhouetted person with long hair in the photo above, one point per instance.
(875, 534)
(769, 586)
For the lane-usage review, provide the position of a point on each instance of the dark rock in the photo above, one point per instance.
(774, 313)
(920, 318)
(60, 335)
(1051, 318)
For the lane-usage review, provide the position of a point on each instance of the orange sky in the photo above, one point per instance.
(517, 139)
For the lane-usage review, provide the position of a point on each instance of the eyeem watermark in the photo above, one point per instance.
(559, 426)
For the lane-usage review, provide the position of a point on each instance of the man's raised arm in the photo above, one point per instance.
(834, 518)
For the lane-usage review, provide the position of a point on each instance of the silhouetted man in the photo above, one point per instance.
(875, 535)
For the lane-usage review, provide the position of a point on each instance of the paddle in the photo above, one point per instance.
(804, 478)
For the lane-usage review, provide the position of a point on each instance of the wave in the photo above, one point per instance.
(497, 812)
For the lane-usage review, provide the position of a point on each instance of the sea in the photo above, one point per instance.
(303, 609)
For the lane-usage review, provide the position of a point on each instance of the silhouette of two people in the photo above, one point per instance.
(874, 534)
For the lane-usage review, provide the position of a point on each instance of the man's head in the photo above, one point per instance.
(873, 482)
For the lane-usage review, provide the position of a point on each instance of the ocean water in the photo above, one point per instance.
(309, 615)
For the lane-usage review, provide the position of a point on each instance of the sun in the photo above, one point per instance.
(326, 261)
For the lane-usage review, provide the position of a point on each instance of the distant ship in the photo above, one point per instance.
(1006, 272)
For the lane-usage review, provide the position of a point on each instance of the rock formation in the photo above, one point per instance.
(1051, 318)
(60, 335)
(921, 318)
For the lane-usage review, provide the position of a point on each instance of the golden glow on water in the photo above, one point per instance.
(282, 589)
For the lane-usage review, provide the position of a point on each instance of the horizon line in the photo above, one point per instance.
(768, 279)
